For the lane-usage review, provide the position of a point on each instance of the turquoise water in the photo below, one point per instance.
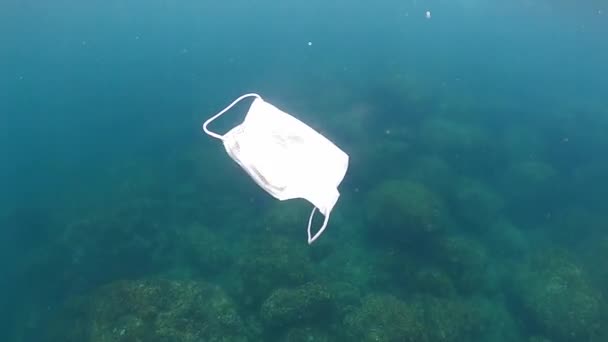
(473, 208)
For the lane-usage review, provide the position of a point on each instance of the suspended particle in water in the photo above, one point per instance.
(428, 14)
(309, 43)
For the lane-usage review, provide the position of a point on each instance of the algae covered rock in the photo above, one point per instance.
(435, 282)
(205, 250)
(450, 319)
(307, 303)
(451, 137)
(271, 262)
(531, 188)
(598, 250)
(125, 241)
(557, 298)
(432, 171)
(306, 335)
(532, 175)
(465, 260)
(475, 204)
(386, 318)
(570, 223)
(286, 218)
(402, 210)
(504, 239)
(151, 310)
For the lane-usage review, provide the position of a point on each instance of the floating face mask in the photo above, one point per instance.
(286, 157)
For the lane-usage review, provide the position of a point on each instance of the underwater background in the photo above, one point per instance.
(474, 207)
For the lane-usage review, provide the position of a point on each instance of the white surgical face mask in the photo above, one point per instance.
(285, 157)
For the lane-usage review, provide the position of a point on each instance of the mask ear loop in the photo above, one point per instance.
(320, 231)
(215, 135)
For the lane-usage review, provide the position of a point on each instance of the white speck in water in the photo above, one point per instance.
(309, 43)
(428, 14)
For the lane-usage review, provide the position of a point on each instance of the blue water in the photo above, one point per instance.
(492, 113)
